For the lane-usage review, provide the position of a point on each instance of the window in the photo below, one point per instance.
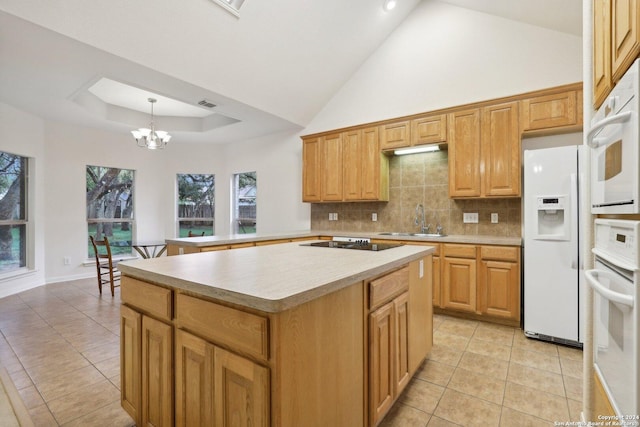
(244, 202)
(110, 207)
(13, 212)
(196, 205)
(231, 6)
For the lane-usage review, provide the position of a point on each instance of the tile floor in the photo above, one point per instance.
(59, 344)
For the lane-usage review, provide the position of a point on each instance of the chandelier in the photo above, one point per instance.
(150, 137)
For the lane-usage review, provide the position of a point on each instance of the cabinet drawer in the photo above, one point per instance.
(502, 253)
(146, 297)
(214, 248)
(459, 251)
(386, 287)
(241, 331)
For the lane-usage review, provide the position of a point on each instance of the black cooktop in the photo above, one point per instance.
(354, 245)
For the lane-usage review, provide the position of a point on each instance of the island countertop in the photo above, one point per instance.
(270, 278)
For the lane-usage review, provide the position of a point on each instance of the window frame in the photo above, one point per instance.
(180, 219)
(131, 221)
(26, 201)
(235, 206)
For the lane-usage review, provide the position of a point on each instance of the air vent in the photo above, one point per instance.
(206, 103)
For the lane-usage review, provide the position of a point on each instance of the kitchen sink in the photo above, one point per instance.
(412, 234)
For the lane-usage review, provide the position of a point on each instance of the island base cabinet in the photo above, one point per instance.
(194, 381)
(215, 387)
(130, 361)
(157, 373)
(146, 368)
(241, 390)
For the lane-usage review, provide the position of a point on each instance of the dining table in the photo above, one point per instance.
(150, 249)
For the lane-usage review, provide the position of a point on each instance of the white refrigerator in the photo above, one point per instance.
(553, 277)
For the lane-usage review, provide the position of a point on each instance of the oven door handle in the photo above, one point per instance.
(604, 291)
(616, 118)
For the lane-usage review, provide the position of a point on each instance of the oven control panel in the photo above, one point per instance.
(618, 239)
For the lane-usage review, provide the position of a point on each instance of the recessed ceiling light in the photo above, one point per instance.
(389, 4)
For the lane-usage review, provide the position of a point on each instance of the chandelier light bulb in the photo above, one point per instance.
(150, 137)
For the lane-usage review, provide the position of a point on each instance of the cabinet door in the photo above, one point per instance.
(420, 311)
(501, 150)
(311, 170)
(601, 51)
(436, 282)
(625, 43)
(429, 130)
(375, 167)
(241, 390)
(130, 361)
(459, 284)
(381, 382)
(194, 381)
(402, 367)
(395, 135)
(499, 289)
(157, 368)
(549, 111)
(352, 163)
(464, 154)
(332, 167)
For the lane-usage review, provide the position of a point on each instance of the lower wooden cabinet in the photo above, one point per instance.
(130, 361)
(459, 277)
(157, 373)
(146, 368)
(341, 360)
(481, 281)
(215, 387)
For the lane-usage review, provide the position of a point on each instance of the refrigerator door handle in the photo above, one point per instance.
(616, 118)
(574, 212)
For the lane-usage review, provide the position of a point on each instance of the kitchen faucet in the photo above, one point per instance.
(420, 220)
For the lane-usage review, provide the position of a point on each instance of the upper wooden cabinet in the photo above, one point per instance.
(395, 135)
(500, 151)
(331, 187)
(625, 36)
(484, 152)
(345, 166)
(464, 153)
(601, 51)
(426, 129)
(616, 43)
(551, 111)
(311, 170)
(429, 129)
(483, 145)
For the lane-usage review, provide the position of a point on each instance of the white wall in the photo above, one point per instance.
(441, 56)
(62, 152)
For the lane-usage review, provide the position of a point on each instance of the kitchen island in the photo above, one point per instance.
(279, 335)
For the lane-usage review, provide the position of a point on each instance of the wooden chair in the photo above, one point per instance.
(194, 235)
(107, 270)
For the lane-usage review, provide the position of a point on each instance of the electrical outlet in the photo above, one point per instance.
(494, 218)
(67, 260)
(335, 216)
(374, 216)
(330, 216)
(470, 218)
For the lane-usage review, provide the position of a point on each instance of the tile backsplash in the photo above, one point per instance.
(421, 178)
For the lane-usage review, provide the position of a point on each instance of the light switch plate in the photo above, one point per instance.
(470, 218)
(494, 218)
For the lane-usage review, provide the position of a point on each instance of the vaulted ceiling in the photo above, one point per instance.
(271, 69)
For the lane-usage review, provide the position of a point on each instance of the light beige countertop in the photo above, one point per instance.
(242, 238)
(270, 278)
